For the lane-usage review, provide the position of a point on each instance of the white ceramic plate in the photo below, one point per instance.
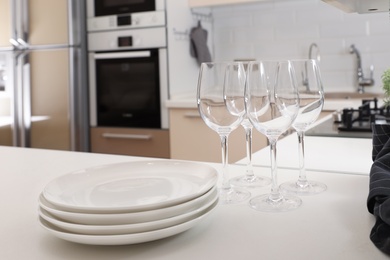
(127, 218)
(125, 239)
(128, 228)
(130, 186)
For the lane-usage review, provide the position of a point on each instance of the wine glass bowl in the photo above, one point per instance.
(272, 106)
(214, 77)
(311, 103)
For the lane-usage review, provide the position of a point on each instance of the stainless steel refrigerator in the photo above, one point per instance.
(43, 74)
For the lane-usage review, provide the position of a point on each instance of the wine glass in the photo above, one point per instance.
(311, 102)
(235, 102)
(213, 76)
(272, 106)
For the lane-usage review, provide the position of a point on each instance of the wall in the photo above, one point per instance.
(286, 28)
(183, 69)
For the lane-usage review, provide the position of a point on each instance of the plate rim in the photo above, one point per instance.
(127, 239)
(167, 222)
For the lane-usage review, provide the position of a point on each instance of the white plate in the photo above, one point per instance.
(128, 228)
(127, 218)
(125, 239)
(130, 186)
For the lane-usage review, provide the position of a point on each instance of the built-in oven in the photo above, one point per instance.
(128, 78)
(124, 14)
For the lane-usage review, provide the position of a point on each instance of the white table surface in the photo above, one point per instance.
(331, 225)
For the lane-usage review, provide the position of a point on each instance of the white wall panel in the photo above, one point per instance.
(286, 28)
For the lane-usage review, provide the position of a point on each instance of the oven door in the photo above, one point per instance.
(125, 88)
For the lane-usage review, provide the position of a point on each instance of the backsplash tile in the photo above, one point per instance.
(285, 29)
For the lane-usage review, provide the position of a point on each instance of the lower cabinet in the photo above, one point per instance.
(192, 139)
(126, 141)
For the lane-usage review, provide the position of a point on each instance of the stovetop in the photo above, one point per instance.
(329, 128)
(355, 123)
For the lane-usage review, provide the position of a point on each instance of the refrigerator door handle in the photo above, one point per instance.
(23, 30)
(22, 43)
(18, 102)
(26, 85)
(19, 24)
(14, 33)
(22, 102)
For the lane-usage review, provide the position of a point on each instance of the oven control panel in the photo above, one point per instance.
(127, 39)
(126, 21)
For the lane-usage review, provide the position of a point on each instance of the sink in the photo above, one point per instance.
(352, 95)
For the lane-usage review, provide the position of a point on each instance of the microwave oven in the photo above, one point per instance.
(106, 15)
(96, 8)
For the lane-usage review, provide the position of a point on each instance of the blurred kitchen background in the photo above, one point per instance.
(68, 63)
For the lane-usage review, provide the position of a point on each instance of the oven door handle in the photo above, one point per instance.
(127, 136)
(122, 55)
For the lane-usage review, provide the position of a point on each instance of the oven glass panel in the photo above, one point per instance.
(113, 7)
(128, 92)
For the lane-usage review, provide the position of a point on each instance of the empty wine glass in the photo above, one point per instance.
(311, 102)
(212, 108)
(235, 102)
(272, 106)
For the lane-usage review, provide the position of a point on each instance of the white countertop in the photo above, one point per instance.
(331, 225)
(331, 154)
(182, 101)
(189, 101)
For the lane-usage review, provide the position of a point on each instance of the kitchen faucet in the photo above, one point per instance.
(318, 58)
(362, 81)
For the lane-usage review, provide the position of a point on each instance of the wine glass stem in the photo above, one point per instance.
(275, 194)
(249, 167)
(302, 180)
(224, 146)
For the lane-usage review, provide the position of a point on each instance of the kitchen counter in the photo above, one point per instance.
(331, 225)
(182, 101)
(328, 154)
(331, 104)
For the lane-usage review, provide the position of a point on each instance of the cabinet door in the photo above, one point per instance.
(130, 141)
(50, 98)
(192, 139)
(48, 22)
(5, 23)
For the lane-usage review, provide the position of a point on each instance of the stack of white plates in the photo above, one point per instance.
(128, 203)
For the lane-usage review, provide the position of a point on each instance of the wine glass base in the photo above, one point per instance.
(309, 188)
(233, 195)
(250, 181)
(283, 203)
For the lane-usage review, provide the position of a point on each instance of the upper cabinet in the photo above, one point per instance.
(202, 3)
(360, 6)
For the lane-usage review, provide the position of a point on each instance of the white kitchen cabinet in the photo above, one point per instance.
(192, 139)
(202, 3)
(360, 6)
